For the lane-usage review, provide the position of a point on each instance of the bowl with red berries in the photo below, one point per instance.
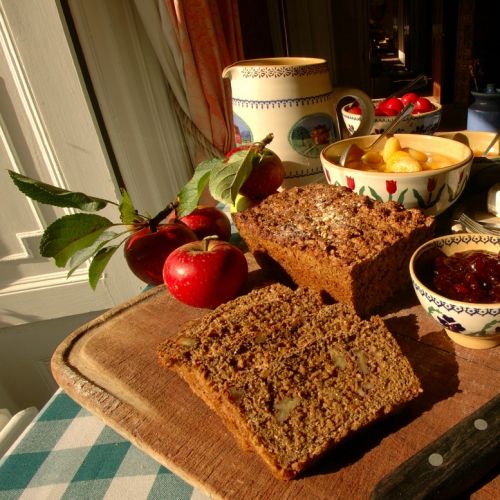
(457, 281)
(425, 117)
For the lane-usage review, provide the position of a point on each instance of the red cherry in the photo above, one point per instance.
(390, 112)
(409, 97)
(423, 105)
(393, 104)
(460, 276)
(355, 110)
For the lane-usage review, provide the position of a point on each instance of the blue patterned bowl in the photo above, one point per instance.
(423, 123)
(476, 326)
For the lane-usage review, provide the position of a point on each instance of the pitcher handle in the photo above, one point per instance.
(367, 110)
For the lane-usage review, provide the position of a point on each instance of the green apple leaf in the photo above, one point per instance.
(189, 196)
(227, 178)
(71, 233)
(79, 257)
(128, 213)
(99, 262)
(53, 195)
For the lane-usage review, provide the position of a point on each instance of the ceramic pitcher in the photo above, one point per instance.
(291, 97)
(484, 113)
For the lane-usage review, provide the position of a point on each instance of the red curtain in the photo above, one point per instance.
(209, 37)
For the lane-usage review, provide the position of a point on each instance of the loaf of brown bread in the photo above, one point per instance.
(289, 376)
(355, 249)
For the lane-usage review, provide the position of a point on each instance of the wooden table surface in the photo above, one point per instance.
(109, 366)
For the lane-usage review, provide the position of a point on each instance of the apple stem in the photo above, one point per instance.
(153, 223)
(260, 145)
(206, 241)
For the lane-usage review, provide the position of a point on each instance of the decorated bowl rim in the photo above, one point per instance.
(467, 162)
(391, 118)
(407, 175)
(449, 134)
(441, 241)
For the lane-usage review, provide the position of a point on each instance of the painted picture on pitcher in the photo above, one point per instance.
(311, 134)
(242, 132)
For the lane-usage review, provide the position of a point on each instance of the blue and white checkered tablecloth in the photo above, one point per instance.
(67, 453)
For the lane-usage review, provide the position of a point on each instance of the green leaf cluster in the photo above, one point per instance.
(227, 178)
(73, 239)
(190, 194)
(52, 195)
(223, 179)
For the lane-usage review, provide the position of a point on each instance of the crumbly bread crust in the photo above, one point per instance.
(289, 376)
(355, 249)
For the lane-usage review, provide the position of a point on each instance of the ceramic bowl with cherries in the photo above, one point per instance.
(418, 171)
(424, 119)
(457, 281)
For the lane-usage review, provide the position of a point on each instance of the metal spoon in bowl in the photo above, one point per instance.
(419, 82)
(491, 144)
(353, 152)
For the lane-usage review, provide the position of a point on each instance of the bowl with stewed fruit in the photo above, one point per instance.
(457, 281)
(418, 171)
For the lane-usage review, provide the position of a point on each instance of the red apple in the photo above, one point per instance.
(423, 105)
(267, 174)
(146, 252)
(206, 221)
(205, 273)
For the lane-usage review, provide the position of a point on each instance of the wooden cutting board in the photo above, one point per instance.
(109, 366)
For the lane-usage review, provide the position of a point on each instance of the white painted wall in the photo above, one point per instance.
(25, 360)
(48, 131)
